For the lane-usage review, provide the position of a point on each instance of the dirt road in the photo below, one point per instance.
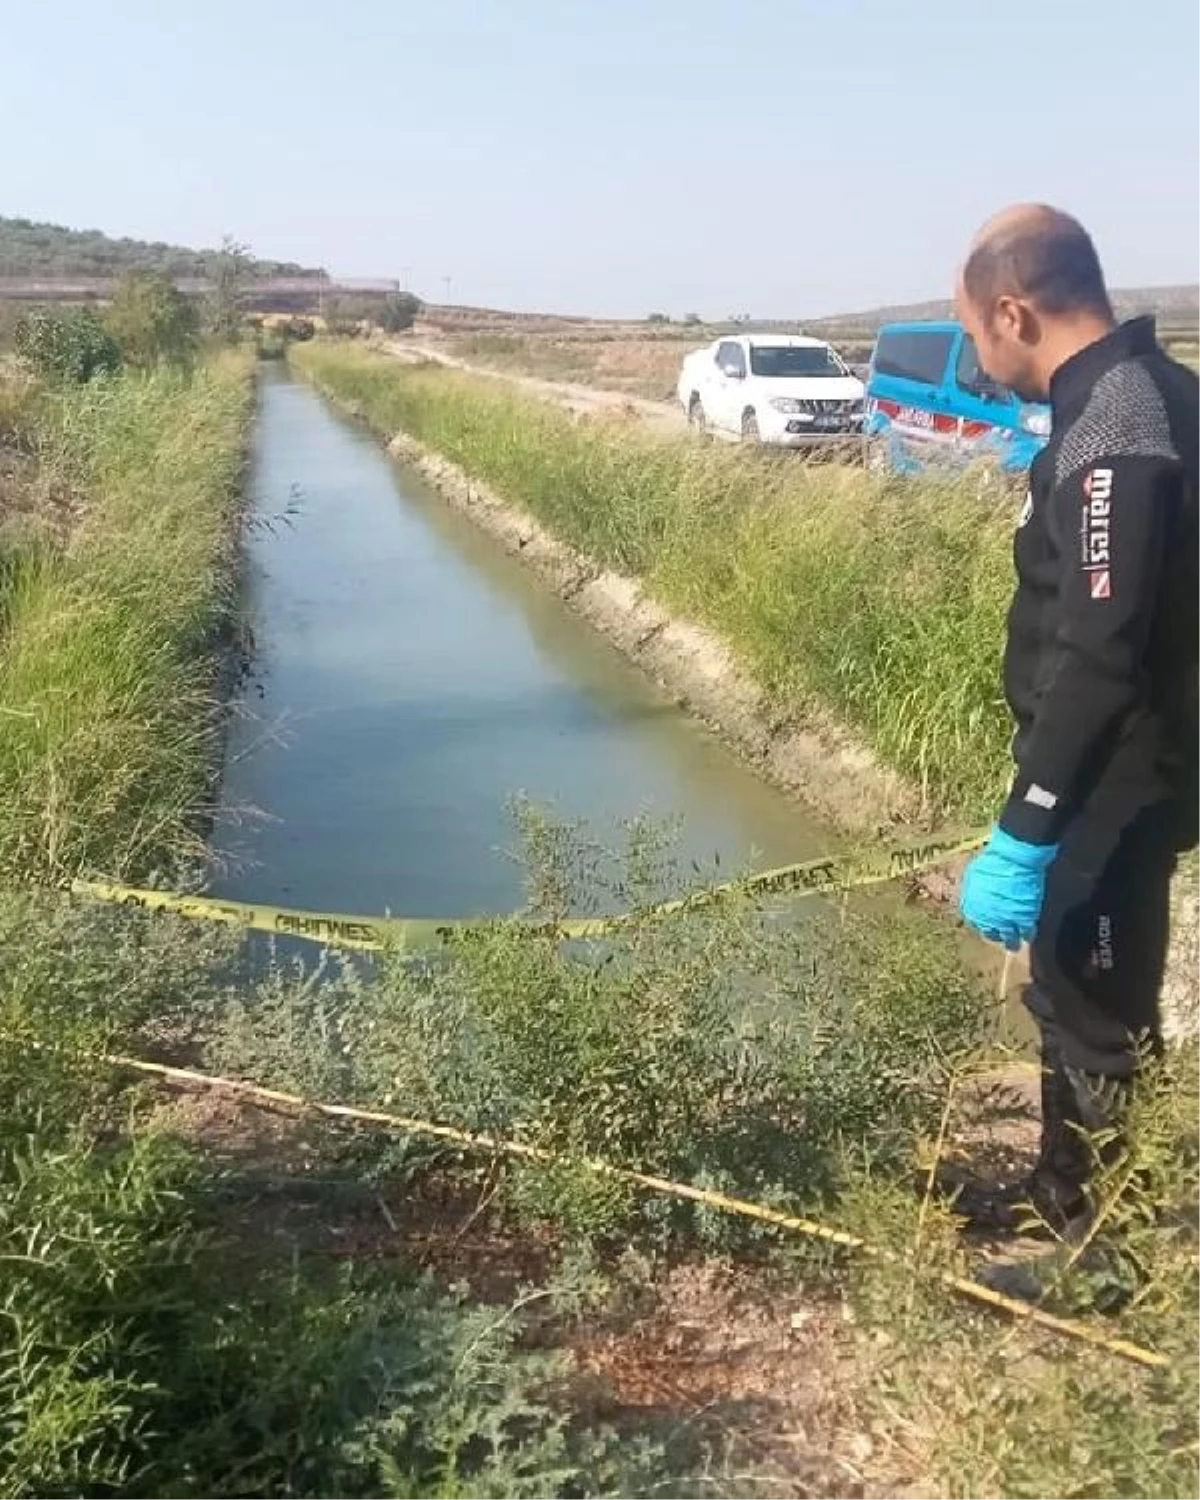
(659, 416)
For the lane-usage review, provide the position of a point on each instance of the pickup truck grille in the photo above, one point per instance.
(823, 406)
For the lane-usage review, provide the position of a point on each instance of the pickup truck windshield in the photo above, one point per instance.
(784, 360)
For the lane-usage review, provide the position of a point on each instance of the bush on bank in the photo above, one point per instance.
(715, 1050)
(881, 600)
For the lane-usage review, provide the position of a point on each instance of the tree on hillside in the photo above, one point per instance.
(49, 250)
(394, 313)
(153, 321)
(231, 269)
(72, 345)
(398, 312)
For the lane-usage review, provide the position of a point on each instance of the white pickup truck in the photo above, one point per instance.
(785, 390)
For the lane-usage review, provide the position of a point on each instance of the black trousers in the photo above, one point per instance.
(1098, 958)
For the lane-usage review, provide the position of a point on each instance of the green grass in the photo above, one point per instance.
(111, 637)
(880, 601)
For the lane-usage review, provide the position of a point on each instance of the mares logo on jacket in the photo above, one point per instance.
(1094, 532)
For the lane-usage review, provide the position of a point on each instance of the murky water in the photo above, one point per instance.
(410, 679)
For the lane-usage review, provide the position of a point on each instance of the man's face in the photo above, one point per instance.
(1005, 340)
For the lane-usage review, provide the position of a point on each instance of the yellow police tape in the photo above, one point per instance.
(379, 1119)
(343, 930)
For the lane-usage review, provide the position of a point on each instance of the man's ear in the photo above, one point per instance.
(1016, 320)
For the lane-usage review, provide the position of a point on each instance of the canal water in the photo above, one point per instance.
(409, 679)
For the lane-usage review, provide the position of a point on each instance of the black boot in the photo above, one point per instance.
(1056, 1189)
(1051, 1198)
(1082, 1136)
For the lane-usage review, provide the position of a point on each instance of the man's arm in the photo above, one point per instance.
(1112, 521)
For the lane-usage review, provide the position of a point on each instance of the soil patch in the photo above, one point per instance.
(712, 1357)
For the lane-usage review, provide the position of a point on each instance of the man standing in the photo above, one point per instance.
(1100, 674)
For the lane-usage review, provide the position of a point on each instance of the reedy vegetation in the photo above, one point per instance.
(111, 637)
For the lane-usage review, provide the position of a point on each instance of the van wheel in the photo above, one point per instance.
(750, 432)
(697, 420)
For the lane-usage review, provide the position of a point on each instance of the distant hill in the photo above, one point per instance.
(50, 251)
(1172, 305)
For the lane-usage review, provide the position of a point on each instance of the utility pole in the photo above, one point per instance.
(405, 273)
(446, 281)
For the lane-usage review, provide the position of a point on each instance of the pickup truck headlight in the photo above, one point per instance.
(787, 404)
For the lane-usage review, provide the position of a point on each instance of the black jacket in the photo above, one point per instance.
(1100, 667)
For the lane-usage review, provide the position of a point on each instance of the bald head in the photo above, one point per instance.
(1041, 256)
(1031, 295)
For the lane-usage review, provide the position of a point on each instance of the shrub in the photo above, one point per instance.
(348, 312)
(398, 312)
(153, 1343)
(71, 346)
(299, 330)
(153, 322)
(715, 1049)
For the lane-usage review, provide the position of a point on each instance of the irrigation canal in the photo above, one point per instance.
(409, 679)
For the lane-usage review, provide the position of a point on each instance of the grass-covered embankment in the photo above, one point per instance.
(882, 602)
(111, 623)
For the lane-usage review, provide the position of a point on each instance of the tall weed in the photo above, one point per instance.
(987, 1407)
(110, 640)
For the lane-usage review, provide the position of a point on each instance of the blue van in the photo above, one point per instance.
(928, 402)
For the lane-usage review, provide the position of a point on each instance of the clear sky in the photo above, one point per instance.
(775, 157)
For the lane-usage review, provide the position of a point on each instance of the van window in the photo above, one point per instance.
(913, 355)
(971, 378)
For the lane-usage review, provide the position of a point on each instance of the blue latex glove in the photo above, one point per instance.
(1003, 888)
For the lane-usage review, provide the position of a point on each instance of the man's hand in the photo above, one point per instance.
(1003, 889)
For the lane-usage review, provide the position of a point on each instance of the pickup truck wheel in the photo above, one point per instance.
(750, 433)
(697, 421)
